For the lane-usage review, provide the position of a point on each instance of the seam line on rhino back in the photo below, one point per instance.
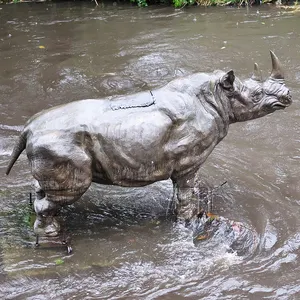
(128, 106)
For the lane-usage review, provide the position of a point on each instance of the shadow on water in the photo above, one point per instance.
(124, 244)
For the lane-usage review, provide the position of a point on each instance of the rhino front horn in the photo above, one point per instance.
(277, 72)
(256, 73)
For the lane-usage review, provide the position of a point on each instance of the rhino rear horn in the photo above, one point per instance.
(277, 72)
(256, 73)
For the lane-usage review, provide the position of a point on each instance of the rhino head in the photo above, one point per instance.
(255, 98)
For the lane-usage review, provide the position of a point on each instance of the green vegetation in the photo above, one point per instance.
(59, 261)
(183, 3)
(140, 3)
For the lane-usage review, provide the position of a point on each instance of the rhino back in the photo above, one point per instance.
(68, 115)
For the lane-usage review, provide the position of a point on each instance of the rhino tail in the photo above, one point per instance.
(18, 149)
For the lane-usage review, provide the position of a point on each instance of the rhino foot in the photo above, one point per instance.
(188, 212)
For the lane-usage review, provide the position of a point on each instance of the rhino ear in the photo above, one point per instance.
(227, 80)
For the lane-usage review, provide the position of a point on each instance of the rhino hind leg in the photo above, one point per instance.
(45, 224)
(39, 193)
(60, 182)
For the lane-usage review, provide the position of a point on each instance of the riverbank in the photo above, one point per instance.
(175, 3)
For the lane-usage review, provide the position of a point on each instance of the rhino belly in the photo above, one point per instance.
(131, 152)
(127, 177)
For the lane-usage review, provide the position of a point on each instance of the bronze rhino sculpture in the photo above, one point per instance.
(138, 139)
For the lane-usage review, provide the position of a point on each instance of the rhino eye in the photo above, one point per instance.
(257, 96)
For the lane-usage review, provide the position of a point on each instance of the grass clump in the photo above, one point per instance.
(140, 3)
(183, 3)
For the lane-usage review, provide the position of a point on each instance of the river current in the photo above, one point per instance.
(54, 53)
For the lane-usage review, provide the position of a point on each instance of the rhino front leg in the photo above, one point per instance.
(187, 206)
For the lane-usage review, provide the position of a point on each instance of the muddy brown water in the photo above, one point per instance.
(56, 53)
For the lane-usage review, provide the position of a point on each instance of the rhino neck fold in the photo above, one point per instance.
(210, 98)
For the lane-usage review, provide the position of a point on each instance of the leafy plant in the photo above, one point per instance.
(182, 3)
(140, 3)
(59, 261)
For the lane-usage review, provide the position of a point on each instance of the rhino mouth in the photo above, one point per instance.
(279, 105)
